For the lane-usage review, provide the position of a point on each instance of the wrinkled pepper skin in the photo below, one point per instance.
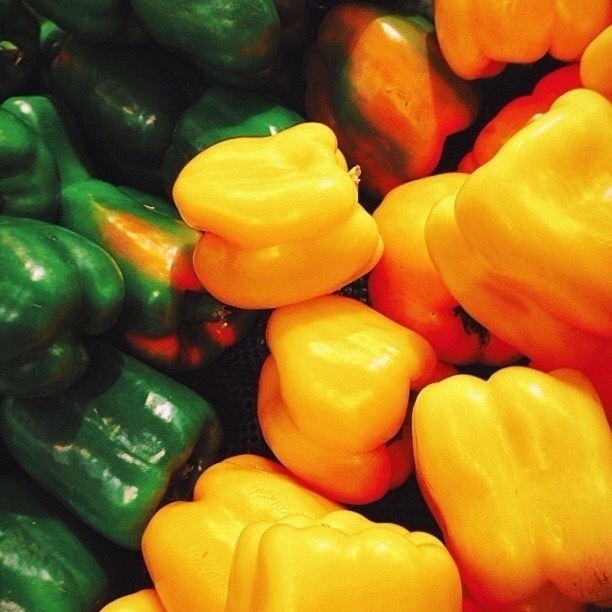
(56, 288)
(48, 560)
(517, 264)
(108, 447)
(29, 178)
(19, 47)
(144, 600)
(596, 63)
(334, 392)
(126, 101)
(517, 113)
(188, 546)
(221, 113)
(378, 79)
(405, 286)
(345, 562)
(271, 210)
(92, 20)
(478, 39)
(529, 454)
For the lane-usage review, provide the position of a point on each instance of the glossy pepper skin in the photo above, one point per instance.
(376, 76)
(108, 446)
(405, 286)
(188, 546)
(596, 63)
(531, 454)
(332, 562)
(126, 101)
(48, 560)
(334, 392)
(531, 266)
(19, 47)
(56, 288)
(168, 319)
(29, 178)
(479, 38)
(272, 210)
(223, 112)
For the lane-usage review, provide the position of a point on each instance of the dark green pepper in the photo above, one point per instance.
(48, 559)
(126, 102)
(108, 447)
(29, 177)
(88, 19)
(223, 112)
(168, 319)
(56, 287)
(19, 47)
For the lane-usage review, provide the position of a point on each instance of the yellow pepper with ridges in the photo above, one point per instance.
(525, 244)
(523, 488)
(338, 562)
(280, 217)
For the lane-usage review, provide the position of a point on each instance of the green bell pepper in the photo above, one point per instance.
(29, 177)
(88, 19)
(19, 47)
(56, 287)
(231, 42)
(223, 112)
(48, 559)
(108, 447)
(168, 319)
(126, 102)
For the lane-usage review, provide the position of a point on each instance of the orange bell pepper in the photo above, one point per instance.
(405, 286)
(518, 112)
(341, 561)
(479, 38)
(523, 489)
(280, 217)
(527, 253)
(144, 600)
(377, 77)
(334, 392)
(596, 63)
(188, 545)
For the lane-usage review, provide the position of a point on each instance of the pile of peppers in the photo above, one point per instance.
(400, 212)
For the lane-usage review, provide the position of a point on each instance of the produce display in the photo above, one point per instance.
(305, 306)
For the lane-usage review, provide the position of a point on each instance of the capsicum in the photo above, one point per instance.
(340, 561)
(479, 38)
(405, 286)
(56, 288)
(334, 392)
(108, 446)
(188, 546)
(223, 112)
(523, 489)
(377, 77)
(48, 559)
(532, 266)
(596, 63)
(168, 319)
(280, 217)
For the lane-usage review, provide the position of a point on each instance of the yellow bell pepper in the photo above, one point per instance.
(596, 63)
(525, 245)
(334, 392)
(144, 600)
(339, 562)
(523, 488)
(479, 38)
(188, 545)
(280, 217)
